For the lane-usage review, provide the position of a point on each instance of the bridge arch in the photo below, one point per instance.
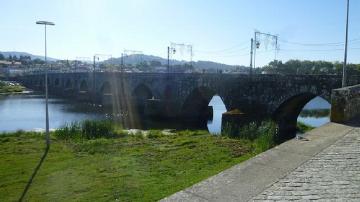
(83, 86)
(287, 112)
(195, 106)
(106, 88)
(140, 94)
(68, 84)
(57, 82)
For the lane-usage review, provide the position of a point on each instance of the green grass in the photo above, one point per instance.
(264, 135)
(118, 167)
(6, 88)
(303, 128)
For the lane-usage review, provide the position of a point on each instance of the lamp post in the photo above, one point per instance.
(346, 46)
(46, 23)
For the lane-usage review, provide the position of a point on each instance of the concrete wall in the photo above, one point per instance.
(345, 104)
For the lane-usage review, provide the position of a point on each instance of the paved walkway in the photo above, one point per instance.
(332, 174)
(323, 168)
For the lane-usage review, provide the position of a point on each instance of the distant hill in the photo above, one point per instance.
(137, 58)
(17, 54)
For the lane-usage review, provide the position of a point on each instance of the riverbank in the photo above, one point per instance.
(10, 87)
(115, 165)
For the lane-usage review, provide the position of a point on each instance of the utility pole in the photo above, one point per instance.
(122, 62)
(94, 70)
(251, 55)
(346, 46)
(191, 55)
(257, 44)
(168, 59)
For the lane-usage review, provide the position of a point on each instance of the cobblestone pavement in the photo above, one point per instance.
(331, 175)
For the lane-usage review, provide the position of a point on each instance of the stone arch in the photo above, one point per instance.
(57, 82)
(41, 83)
(49, 82)
(68, 84)
(168, 92)
(83, 86)
(196, 103)
(140, 94)
(287, 112)
(106, 88)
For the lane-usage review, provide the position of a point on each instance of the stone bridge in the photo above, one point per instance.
(279, 97)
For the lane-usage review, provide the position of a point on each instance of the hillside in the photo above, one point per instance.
(138, 58)
(18, 54)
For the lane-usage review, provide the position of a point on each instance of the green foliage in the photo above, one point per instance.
(87, 130)
(308, 67)
(303, 128)
(192, 132)
(267, 136)
(6, 87)
(154, 134)
(264, 135)
(317, 113)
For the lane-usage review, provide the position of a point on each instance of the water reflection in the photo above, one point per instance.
(26, 112)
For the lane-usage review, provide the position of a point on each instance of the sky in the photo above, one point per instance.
(218, 30)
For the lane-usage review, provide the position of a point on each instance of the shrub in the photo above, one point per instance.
(86, 130)
(97, 129)
(154, 134)
(267, 136)
(303, 128)
(264, 135)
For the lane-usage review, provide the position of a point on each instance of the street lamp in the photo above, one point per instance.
(346, 46)
(46, 23)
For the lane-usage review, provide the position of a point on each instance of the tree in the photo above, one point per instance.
(155, 63)
(2, 57)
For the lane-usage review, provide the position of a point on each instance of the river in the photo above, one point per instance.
(26, 112)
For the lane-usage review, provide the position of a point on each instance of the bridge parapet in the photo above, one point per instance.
(345, 104)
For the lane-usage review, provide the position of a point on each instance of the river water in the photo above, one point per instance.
(26, 112)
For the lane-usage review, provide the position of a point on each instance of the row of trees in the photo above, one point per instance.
(307, 67)
(25, 60)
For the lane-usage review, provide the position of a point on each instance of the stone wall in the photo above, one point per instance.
(345, 104)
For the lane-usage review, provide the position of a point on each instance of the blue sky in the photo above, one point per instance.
(218, 30)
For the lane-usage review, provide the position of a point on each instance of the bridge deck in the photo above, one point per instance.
(326, 166)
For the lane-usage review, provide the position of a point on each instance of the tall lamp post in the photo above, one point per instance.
(46, 23)
(346, 46)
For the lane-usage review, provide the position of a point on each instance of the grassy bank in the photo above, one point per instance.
(7, 87)
(95, 161)
(303, 128)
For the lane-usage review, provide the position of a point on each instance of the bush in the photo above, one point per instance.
(97, 129)
(86, 130)
(264, 135)
(303, 128)
(267, 136)
(154, 134)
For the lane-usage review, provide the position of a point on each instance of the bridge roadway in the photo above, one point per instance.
(324, 168)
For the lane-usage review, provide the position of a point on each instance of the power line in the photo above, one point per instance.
(241, 45)
(318, 44)
(318, 50)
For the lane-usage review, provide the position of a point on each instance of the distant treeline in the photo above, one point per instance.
(317, 113)
(308, 67)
